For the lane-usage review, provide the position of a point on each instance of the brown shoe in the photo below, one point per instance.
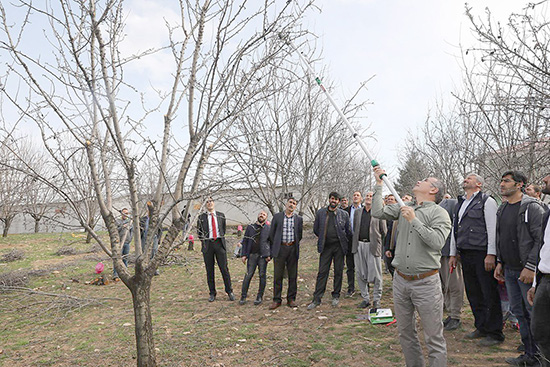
(292, 303)
(274, 305)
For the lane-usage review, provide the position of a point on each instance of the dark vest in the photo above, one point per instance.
(471, 231)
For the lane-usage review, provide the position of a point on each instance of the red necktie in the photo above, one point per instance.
(214, 232)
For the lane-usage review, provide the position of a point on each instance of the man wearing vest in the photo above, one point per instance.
(473, 238)
(366, 246)
(357, 200)
(519, 236)
(539, 294)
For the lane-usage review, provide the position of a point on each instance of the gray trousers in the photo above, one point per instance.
(369, 270)
(426, 298)
(453, 287)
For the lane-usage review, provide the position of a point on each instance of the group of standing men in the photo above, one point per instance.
(262, 242)
(488, 243)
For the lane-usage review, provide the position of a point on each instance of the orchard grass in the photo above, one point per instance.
(190, 331)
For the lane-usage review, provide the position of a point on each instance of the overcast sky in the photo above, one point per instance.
(412, 47)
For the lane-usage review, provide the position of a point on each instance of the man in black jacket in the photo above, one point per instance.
(519, 233)
(539, 294)
(332, 227)
(285, 235)
(255, 249)
(211, 230)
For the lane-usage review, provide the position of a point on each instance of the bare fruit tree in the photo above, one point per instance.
(500, 119)
(291, 142)
(92, 96)
(13, 184)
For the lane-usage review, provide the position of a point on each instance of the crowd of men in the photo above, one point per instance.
(435, 247)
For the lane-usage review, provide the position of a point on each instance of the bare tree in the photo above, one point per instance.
(38, 198)
(13, 186)
(290, 143)
(500, 121)
(83, 100)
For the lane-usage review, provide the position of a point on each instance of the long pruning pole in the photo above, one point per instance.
(354, 133)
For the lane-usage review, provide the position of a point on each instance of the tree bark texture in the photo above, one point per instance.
(145, 344)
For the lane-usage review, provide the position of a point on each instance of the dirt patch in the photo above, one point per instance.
(190, 331)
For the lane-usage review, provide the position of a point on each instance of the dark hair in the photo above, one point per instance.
(291, 198)
(517, 176)
(334, 194)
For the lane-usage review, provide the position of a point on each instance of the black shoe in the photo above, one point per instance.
(523, 360)
(446, 321)
(350, 293)
(453, 324)
(242, 301)
(489, 342)
(258, 300)
(231, 296)
(364, 304)
(476, 334)
(212, 298)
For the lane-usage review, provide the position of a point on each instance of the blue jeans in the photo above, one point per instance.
(125, 252)
(517, 295)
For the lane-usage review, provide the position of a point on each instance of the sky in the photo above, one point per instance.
(413, 50)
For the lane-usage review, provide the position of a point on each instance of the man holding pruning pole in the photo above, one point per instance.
(423, 228)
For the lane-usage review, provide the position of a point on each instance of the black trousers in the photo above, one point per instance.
(388, 261)
(482, 293)
(286, 259)
(540, 319)
(350, 272)
(331, 252)
(216, 253)
(254, 261)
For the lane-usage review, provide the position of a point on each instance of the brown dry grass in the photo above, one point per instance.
(190, 331)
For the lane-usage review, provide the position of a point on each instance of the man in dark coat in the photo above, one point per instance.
(211, 229)
(285, 235)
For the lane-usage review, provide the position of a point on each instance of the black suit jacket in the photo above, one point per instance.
(202, 228)
(276, 233)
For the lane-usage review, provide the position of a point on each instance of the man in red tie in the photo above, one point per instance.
(211, 229)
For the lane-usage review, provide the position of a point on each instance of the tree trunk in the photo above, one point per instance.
(146, 356)
(36, 225)
(7, 225)
(88, 237)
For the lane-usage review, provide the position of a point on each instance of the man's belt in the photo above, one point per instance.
(287, 243)
(545, 275)
(418, 276)
(364, 240)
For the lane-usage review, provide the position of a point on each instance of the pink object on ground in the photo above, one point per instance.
(191, 238)
(99, 268)
(239, 228)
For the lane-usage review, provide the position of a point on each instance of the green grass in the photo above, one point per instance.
(188, 330)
